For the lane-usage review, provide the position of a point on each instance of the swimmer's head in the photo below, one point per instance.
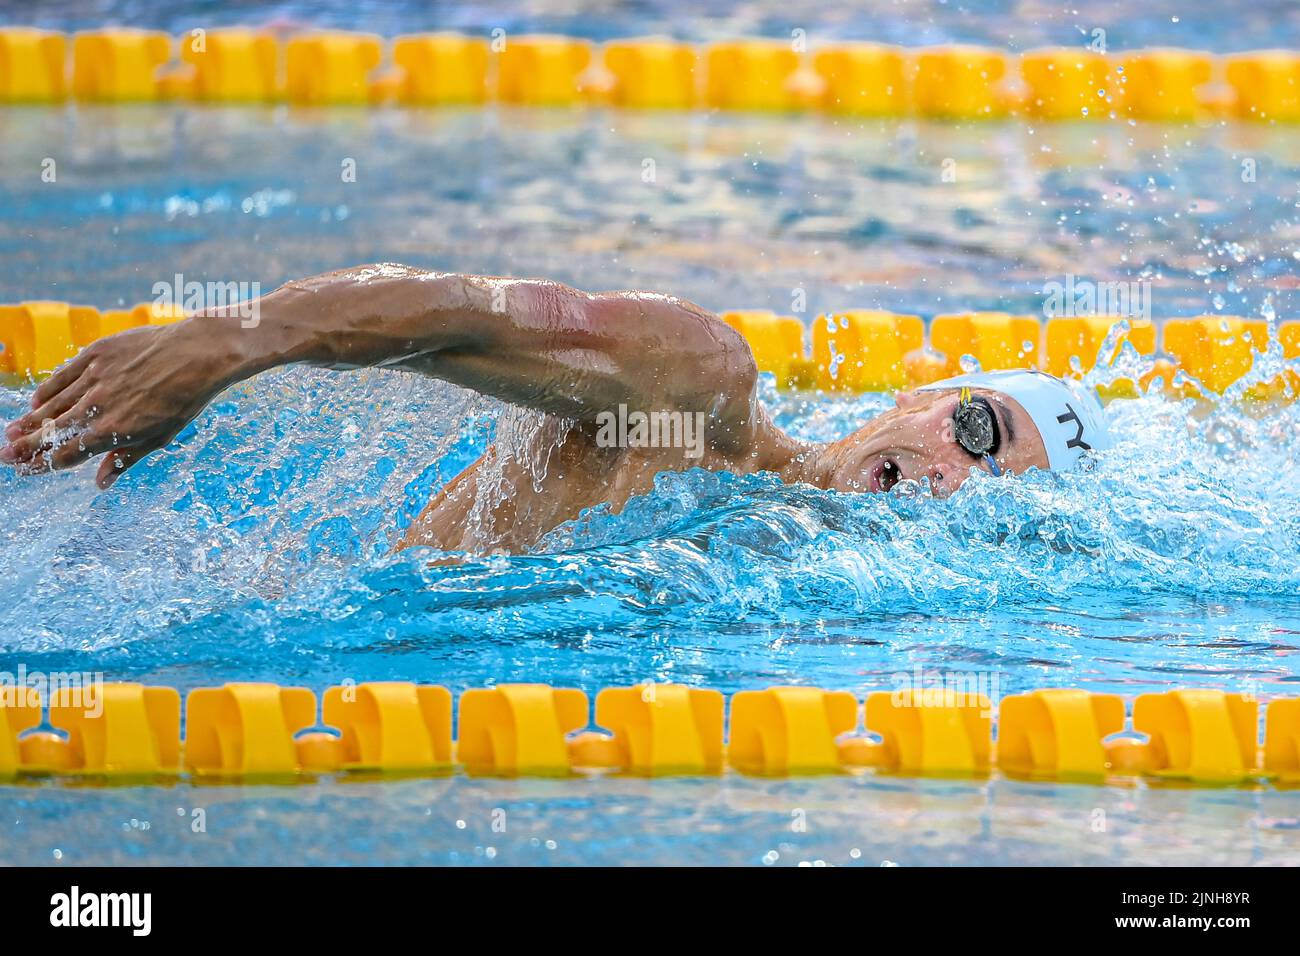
(1000, 422)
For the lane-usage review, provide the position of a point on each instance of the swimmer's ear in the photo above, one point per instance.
(908, 399)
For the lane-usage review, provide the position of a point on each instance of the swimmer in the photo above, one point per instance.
(581, 360)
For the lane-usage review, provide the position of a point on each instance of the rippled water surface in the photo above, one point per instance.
(258, 545)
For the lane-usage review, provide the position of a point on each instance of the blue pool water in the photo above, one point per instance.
(258, 546)
(1002, 23)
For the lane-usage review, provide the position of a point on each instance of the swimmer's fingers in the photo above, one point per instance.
(34, 421)
(65, 375)
(58, 393)
(54, 442)
(76, 436)
(77, 448)
(118, 461)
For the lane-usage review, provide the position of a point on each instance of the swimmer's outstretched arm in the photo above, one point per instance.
(530, 342)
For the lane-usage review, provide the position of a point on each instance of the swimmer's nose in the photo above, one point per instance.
(943, 481)
(946, 474)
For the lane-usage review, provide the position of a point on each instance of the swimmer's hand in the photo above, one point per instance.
(127, 395)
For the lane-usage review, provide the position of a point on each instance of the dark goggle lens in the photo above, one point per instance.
(975, 427)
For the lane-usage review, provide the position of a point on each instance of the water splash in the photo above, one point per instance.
(260, 542)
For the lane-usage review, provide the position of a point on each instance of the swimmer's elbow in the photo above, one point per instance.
(738, 358)
(717, 354)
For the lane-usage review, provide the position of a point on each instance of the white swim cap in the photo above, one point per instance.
(1068, 416)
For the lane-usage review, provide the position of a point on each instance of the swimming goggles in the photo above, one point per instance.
(976, 428)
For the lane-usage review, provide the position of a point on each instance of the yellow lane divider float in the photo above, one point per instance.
(863, 79)
(864, 351)
(37, 337)
(876, 351)
(954, 82)
(331, 69)
(33, 66)
(273, 733)
(232, 66)
(440, 68)
(650, 74)
(118, 66)
(859, 350)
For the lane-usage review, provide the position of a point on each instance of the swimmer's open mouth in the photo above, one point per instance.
(884, 476)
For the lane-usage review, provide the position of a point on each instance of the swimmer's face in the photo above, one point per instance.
(916, 440)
